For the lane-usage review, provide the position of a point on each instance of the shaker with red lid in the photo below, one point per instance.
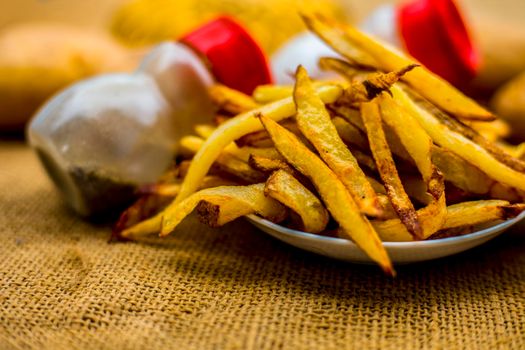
(100, 138)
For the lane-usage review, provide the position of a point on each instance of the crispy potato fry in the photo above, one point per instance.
(387, 169)
(227, 161)
(270, 93)
(344, 68)
(455, 169)
(459, 144)
(373, 85)
(286, 189)
(204, 130)
(335, 38)
(471, 134)
(237, 200)
(416, 189)
(314, 122)
(462, 214)
(236, 127)
(357, 46)
(172, 189)
(419, 146)
(350, 134)
(493, 130)
(269, 165)
(231, 100)
(334, 194)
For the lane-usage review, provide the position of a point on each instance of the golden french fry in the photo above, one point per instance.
(245, 199)
(359, 47)
(231, 100)
(204, 130)
(373, 85)
(335, 38)
(334, 194)
(461, 214)
(172, 189)
(493, 130)
(350, 134)
(269, 165)
(455, 169)
(344, 68)
(227, 161)
(286, 189)
(387, 168)
(418, 144)
(457, 143)
(314, 122)
(271, 93)
(236, 127)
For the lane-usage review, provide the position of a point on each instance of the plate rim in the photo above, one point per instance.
(497, 227)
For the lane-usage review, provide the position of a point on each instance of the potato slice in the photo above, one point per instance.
(387, 169)
(314, 122)
(358, 47)
(286, 189)
(337, 199)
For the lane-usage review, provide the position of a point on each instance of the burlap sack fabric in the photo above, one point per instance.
(62, 286)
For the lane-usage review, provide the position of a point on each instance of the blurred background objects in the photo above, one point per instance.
(28, 75)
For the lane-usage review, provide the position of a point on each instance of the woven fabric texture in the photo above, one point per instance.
(62, 286)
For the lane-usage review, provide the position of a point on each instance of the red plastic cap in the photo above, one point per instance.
(235, 59)
(434, 33)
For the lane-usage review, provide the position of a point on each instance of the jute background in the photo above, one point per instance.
(62, 286)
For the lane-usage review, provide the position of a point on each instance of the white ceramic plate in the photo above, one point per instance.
(400, 252)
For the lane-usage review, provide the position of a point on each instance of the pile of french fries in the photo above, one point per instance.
(386, 152)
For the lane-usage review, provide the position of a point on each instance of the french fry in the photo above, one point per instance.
(471, 134)
(387, 169)
(419, 146)
(457, 143)
(314, 122)
(204, 130)
(373, 85)
(334, 194)
(243, 200)
(236, 127)
(226, 161)
(455, 169)
(271, 93)
(350, 134)
(231, 100)
(286, 189)
(462, 214)
(269, 165)
(357, 46)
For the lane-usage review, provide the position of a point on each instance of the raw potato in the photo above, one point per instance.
(286, 189)
(334, 194)
(38, 59)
